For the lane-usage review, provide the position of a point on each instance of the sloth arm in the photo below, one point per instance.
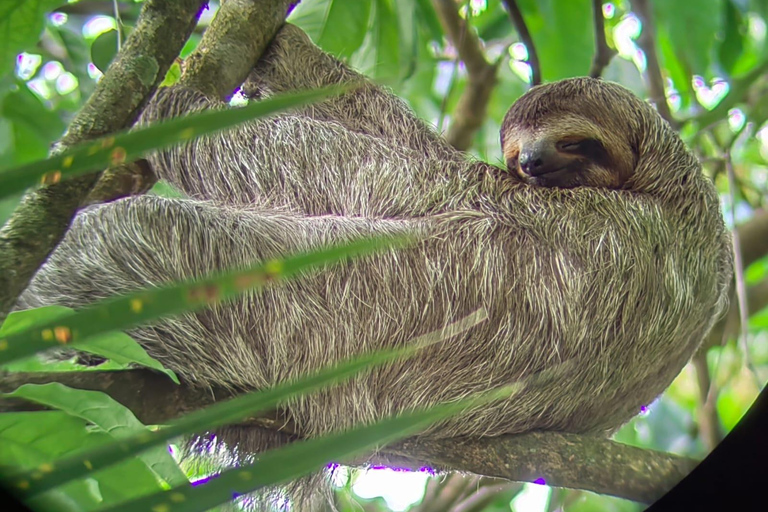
(308, 166)
(293, 62)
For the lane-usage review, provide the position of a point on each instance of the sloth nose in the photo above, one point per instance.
(539, 158)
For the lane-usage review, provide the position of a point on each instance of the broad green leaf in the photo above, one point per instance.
(732, 45)
(379, 55)
(109, 416)
(120, 348)
(234, 410)
(33, 439)
(18, 321)
(116, 346)
(427, 20)
(408, 37)
(563, 35)
(297, 459)
(21, 22)
(336, 26)
(122, 312)
(128, 145)
(692, 28)
(104, 49)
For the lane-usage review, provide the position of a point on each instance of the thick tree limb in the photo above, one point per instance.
(522, 29)
(647, 43)
(232, 44)
(563, 460)
(471, 110)
(44, 215)
(603, 54)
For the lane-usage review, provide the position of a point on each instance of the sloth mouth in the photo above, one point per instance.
(566, 176)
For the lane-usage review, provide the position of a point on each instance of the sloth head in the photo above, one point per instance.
(579, 132)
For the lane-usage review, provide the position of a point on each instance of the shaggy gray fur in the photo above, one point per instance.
(624, 284)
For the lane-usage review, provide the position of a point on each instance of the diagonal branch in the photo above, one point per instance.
(563, 460)
(603, 54)
(472, 108)
(232, 44)
(44, 215)
(522, 29)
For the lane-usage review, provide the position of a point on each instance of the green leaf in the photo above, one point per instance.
(337, 26)
(732, 44)
(120, 313)
(109, 416)
(128, 145)
(563, 36)
(104, 49)
(21, 22)
(164, 189)
(692, 27)
(297, 459)
(379, 56)
(18, 321)
(172, 76)
(124, 350)
(234, 410)
(32, 439)
(115, 346)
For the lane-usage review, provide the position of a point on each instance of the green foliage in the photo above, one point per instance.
(21, 22)
(300, 458)
(222, 413)
(34, 439)
(561, 33)
(122, 350)
(400, 43)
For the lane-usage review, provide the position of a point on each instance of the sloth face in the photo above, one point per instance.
(573, 133)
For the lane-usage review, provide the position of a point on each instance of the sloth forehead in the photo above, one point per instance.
(599, 102)
(579, 107)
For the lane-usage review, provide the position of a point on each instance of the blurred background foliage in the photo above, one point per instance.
(712, 59)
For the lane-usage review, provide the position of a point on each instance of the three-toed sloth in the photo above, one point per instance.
(601, 245)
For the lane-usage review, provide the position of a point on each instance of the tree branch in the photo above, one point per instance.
(232, 44)
(647, 43)
(706, 415)
(522, 29)
(471, 110)
(44, 215)
(563, 460)
(603, 54)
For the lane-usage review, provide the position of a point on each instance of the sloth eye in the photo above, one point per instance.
(570, 145)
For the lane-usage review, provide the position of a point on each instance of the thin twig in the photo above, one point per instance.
(647, 43)
(603, 53)
(119, 23)
(709, 422)
(470, 112)
(741, 287)
(522, 29)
